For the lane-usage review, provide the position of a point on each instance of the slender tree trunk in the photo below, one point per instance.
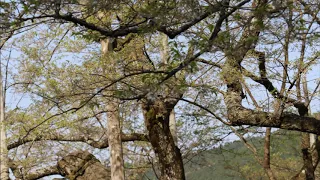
(307, 158)
(114, 129)
(313, 138)
(114, 139)
(164, 58)
(266, 161)
(308, 140)
(157, 114)
(4, 167)
(308, 153)
(309, 168)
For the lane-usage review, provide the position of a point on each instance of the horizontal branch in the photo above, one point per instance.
(101, 144)
(47, 171)
(239, 115)
(37, 174)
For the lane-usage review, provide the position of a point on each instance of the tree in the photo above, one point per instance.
(4, 166)
(219, 51)
(5, 35)
(114, 129)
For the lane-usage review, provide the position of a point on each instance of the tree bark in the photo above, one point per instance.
(307, 142)
(157, 114)
(114, 139)
(173, 126)
(266, 161)
(4, 166)
(307, 158)
(113, 124)
(79, 165)
(315, 146)
(164, 58)
(82, 166)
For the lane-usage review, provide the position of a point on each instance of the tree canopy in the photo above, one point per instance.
(217, 68)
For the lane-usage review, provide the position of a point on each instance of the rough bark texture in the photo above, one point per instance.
(238, 115)
(83, 166)
(160, 122)
(40, 173)
(156, 113)
(114, 130)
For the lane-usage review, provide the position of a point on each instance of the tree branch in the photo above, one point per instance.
(100, 144)
(37, 174)
(238, 115)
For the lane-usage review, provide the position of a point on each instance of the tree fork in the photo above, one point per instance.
(157, 114)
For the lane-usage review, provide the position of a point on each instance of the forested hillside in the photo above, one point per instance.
(234, 161)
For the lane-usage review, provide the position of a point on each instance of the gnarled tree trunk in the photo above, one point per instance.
(157, 115)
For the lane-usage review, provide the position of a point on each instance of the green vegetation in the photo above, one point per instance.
(233, 160)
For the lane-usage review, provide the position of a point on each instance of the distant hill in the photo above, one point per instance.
(233, 161)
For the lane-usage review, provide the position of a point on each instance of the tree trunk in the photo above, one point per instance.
(266, 161)
(307, 142)
(82, 166)
(173, 126)
(4, 166)
(307, 158)
(113, 124)
(315, 146)
(114, 139)
(157, 114)
(164, 58)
